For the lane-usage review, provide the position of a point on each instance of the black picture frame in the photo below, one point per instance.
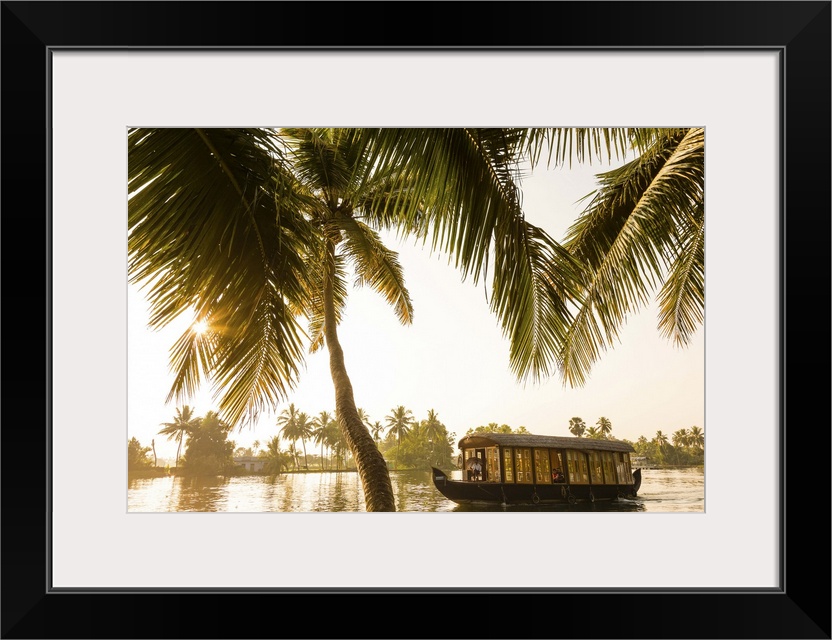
(800, 608)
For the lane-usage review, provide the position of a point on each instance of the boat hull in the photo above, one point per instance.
(462, 492)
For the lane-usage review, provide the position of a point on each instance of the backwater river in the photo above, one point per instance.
(662, 490)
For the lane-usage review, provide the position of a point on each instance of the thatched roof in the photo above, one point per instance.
(530, 440)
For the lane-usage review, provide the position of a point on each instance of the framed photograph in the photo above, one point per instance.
(753, 77)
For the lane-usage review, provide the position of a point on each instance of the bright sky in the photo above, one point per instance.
(453, 358)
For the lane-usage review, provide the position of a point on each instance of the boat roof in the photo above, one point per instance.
(531, 440)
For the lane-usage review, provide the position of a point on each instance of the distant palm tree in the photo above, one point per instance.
(304, 430)
(184, 423)
(337, 443)
(276, 459)
(255, 446)
(399, 423)
(604, 426)
(696, 438)
(577, 427)
(377, 429)
(594, 433)
(433, 428)
(660, 440)
(295, 425)
(680, 438)
(321, 425)
(294, 453)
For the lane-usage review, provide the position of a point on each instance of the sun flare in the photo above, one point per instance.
(199, 327)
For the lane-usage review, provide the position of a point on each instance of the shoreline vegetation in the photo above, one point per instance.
(408, 444)
(164, 472)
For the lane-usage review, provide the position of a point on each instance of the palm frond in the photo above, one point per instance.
(682, 297)
(627, 237)
(375, 265)
(563, 145)
(454, 189)
(463, 197)
(214, 226)
(535, 284)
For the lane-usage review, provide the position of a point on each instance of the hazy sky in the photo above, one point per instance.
(453, 358)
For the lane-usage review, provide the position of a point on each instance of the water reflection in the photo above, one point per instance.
(666, 490)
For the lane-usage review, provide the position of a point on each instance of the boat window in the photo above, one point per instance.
(577, 467)
(596, 471)
(609, 467)
(623, 469)
(492, 464)
(558, 474)
(542, 471)
(523, 465)
(508, 464)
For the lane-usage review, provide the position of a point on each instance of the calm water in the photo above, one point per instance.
(662, 490)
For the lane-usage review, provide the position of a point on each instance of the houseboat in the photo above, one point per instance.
(509, 469)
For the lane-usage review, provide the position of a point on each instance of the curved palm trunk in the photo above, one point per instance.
(375, 479)
(305, 459)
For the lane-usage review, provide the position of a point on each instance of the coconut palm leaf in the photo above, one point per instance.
(375, 265)
(629, 236)
(562, 145)
(681, 299)
(463, 199)
(214, 227)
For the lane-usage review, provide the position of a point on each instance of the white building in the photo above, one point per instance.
(250, 463)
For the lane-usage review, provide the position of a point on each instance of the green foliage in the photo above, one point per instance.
(493, 427)
(209, 452)
(277, 460)
(577, 426)
(137, 455)
(685, 450)
(422, 445)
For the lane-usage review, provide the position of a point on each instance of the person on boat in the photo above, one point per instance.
(557, 475)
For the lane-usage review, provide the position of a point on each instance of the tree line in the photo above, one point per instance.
(403, 441)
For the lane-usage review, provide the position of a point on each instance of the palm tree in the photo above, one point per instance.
(250, 229)
(337, 443)
(255, 446)
(377, 430)
(295, 425)
(577, 427)
(660, 440)
(184, 423)
(433, 428)
(304, 430)
(680, 438)
(604, 426)
(399, 423)
(696, 438)
(275, 457)
(594, 433)
(293, 453)
(321, 425)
